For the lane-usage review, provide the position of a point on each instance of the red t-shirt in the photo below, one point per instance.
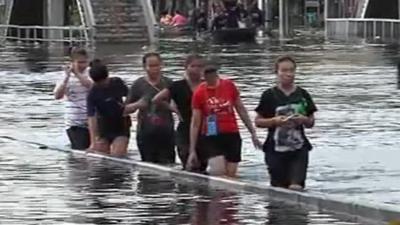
(219, 100)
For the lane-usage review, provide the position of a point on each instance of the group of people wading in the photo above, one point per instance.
(99, 108)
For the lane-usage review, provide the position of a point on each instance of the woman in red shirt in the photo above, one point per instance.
(214, 121)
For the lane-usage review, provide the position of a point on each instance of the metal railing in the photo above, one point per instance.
(372, 29)
(150, 19)
(82, 17)
(69, 34)
(7, 15)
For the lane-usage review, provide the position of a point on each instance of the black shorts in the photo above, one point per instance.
(182, 143)
(79, 137)
(110, 136)
(156, 148)
(228, 145)
(287, 168)
(111, 129)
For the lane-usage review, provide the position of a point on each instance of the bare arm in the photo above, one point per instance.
(133, 107)
(161, 96)
(59, 90)
(244, 116)
(160, 99)
(262, 122)
(194, 130)
(307, 121)
(93, 130)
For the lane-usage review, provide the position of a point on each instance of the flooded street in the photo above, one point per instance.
(356, 146)
(49, 187)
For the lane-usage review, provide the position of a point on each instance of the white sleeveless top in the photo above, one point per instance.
(75, 102)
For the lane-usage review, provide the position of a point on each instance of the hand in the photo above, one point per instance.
(256, 142)
(300, 119)
(178, 115)
(192, 161)
(68, 70)
(280, 120)
(173, 109)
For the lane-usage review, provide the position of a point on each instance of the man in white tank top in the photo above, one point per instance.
(73, 88)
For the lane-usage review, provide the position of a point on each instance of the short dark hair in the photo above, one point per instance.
(210, 69)
(98, 70)
(76, 52)
(150, 54)
(191, 58)
(284, 58)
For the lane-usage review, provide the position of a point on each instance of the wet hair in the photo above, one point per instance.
(285, 58)
(164, 13)
(191, 58)
(98, 70)
(150, 54)
(76, 52)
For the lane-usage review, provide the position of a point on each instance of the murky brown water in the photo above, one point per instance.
(356, 153)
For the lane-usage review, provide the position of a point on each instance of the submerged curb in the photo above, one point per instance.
(361, 212)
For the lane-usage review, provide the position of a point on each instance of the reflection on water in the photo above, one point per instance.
(355, 87)
(48, 187)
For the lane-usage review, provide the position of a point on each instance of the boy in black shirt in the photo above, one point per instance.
(109, 128)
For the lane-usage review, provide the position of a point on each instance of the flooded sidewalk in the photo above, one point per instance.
(49, 187)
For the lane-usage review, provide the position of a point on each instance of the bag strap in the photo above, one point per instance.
(153, 86)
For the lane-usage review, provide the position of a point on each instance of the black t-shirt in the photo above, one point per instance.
(181, 93)
(106, 103)
(289, 137)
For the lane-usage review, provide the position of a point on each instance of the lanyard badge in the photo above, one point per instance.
(212, 128)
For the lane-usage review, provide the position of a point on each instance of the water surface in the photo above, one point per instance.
(355, 140)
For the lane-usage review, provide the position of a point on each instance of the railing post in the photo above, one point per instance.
(35, 34)
(383, 30)
(149, 19)
(392, 30)
(356, 28)
(326, 16)
(80, 35)
(365, 29)
(27, 34)
(374, 30)
(70, 35)
(18, 34)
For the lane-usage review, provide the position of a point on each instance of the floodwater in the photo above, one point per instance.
(355, 155)
(49, 187)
